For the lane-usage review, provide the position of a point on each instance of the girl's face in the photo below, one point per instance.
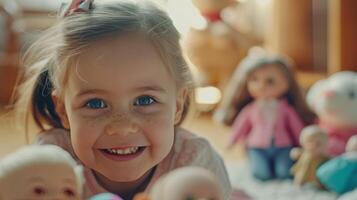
(267, 82)
(121, 104)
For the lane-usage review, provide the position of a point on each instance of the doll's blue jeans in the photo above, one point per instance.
(270, 163)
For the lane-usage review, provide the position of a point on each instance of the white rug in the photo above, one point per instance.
(272, 190)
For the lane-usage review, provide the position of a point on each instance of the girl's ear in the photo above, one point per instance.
(60, 109)
(180, 104)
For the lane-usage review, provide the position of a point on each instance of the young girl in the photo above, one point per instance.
(269, 112)
(109, 84)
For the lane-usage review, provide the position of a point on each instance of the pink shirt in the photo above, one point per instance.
(338, 138)
(188, 150)
(250, 125)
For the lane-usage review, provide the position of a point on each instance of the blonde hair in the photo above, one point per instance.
(237, 95)
(48, 60)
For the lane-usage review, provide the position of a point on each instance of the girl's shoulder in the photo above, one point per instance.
(190, 149)
(186, 140)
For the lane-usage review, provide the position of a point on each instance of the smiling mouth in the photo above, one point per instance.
(128, 151)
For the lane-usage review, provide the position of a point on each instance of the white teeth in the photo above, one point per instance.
(126, 151)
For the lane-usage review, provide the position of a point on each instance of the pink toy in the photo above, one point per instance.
(267, 111)
(335, 102)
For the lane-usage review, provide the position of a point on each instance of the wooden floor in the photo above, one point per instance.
(12, 138)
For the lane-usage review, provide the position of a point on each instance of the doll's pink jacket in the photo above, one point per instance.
(258, 133)
(188, 150)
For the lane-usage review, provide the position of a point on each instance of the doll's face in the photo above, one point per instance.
(41, 183)
(267, 82)
(335, 99)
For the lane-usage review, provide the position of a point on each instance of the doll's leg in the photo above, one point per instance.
(283, 163)
(261, 164)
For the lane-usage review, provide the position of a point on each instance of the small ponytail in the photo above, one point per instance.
(42, 103)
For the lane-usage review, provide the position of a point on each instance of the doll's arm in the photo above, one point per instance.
(295, 153)
(241, 126)
(295, 124)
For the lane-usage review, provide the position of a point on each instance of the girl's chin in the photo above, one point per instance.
(124, 177)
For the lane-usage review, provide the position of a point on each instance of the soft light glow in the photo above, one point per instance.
(185, 15)
(207, 95)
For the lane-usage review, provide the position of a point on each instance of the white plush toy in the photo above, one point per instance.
(42, 172)
(335, 102)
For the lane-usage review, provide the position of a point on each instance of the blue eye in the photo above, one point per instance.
(144, 101)
(96, 104)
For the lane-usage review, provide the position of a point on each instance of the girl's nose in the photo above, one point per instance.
(122, 126)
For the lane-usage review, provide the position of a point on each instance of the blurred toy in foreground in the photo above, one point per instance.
(43, 172)
(340, 174)
(313, 153)
(268, 110)
(105, 196)
(335, 102)
(183, 184)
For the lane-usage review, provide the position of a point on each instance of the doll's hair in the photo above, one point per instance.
(237, 95)
(48, 61)
(40, 155)
(313, 132)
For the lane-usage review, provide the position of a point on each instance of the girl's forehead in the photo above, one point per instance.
(133, 45)
(121, 60)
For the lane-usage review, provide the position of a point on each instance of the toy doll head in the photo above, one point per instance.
(261, 75)
(335, 99)
(314, 139)
(187, 183)
(352, 144)
(40, 172)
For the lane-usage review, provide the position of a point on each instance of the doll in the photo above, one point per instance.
(313, 140)
(340, 174)
(335, 102)
(187, 183)
(40, 172)
(268, 110)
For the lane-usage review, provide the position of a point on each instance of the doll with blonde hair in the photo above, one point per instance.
(313, 153)
(265, 106)
(40, 172)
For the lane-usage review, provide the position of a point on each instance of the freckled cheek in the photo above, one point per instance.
(84, 134)
(160, 133)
